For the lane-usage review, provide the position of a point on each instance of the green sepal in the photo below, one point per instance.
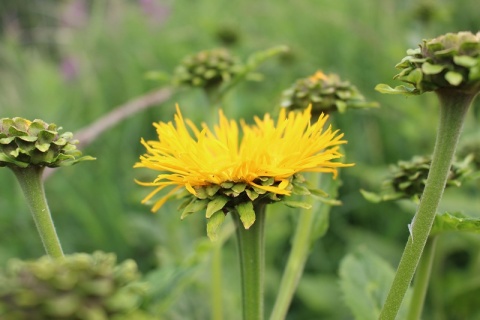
(454, 78)
(384, 88)
(465, 61)
(215, 205)
(194, 206)
(227, 185)
(247, 213)
(455, 221)
(300, 190)
(297, 204)
(212, 189)
(201, 193)
(318, 192)
(429, 68)
(239, 187)
(252, 195)
(213, 223)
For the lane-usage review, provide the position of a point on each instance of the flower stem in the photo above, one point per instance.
(422, 278)
(301, 246)
(30, 179)
(217, 296)
(453, 108)
(251, 249)
(295, 265)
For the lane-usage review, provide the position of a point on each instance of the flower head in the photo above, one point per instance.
(448, 61)
(235, 163)
(325, 93)
(24, 143)
(207, 69)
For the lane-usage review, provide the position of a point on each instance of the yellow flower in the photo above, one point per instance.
(194, 158)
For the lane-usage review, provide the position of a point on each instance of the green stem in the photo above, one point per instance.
(217, 295)
(453, 108)
(301, 246)
(251, 249)
(422, 277)
(295, 265)
(30, 180)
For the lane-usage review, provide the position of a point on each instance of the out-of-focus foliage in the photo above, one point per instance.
(70, 62)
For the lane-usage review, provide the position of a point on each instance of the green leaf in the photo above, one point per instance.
(429, 68)
(365, 280)
(247, 213)
(455, 221)
(383, 88)
(216, 204)
(454, 78)
(214, 223)
(297, 204)
(465, 61)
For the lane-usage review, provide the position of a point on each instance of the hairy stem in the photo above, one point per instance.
(453, 108)
(30, 180)
(422, 277)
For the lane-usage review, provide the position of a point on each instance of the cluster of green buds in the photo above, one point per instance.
(207, 69)
(448, 61)
(80, 286)
(24, 143)
(242, 198)
(407, 179)
(326, 93)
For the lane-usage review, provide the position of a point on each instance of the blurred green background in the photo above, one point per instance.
(70, 62)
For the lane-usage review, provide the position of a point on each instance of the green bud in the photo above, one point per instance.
(207, 69)
(26, 143)
(407, 179)
(326, 93)
(448, 61)
(80, 286)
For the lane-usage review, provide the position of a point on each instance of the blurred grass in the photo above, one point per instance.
(72, 62)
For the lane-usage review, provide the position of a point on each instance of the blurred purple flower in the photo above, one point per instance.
(156, 11)
(69, 68)
(74, 14)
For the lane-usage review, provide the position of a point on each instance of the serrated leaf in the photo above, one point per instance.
(213, 223)
(215, 205)
(365, 280)
(297, 204)
(383, 88)
(455, 221)
(454, 78)
(247, 213)
(194, 206)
